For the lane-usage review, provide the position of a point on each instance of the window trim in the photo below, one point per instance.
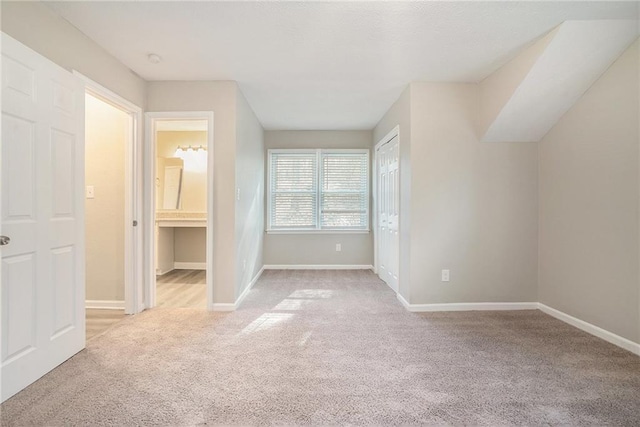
(318, 229)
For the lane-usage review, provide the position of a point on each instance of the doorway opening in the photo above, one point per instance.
(113, 241)
(387, 208)
(180, 160)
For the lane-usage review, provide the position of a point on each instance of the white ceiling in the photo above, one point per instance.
(323, 65)
(577, 55)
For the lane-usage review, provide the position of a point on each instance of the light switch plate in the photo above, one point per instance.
(445, 275)
(90, 192)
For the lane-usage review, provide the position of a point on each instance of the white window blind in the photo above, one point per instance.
(318, 190)
(294, 190)
(344, 199)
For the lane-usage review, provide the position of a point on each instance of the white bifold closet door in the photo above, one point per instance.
(42, 205)
(388, 203)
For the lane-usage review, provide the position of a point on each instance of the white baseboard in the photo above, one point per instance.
(467, 306)
(104, 304)
(403, 301)
(494, 306)
(190, 265)
(592, 329)
(163, 272)
(223, 307)
(243, 295)
(317, 267)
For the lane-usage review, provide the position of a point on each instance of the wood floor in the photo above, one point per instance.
(99, 321)
(182, 289)
(176, 289)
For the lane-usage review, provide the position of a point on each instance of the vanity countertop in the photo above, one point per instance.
(181, 219)
(180, 215)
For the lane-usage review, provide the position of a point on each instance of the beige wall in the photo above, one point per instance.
(249, 224)
(317, 249)
(589, 205)
(466, 206)
(400, 115)
(473, 205)
(35, 25)
(106, 136)
(190, 244)
(219, 97)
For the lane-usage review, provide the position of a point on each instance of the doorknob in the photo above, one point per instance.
(4, 240)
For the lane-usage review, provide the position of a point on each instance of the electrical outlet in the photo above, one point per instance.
(90, 192)
(238, 194)
(445, 275)
(338, 247)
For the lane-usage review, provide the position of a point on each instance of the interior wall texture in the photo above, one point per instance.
(190, 244)
(589, 196)
(36, 26)
(105, 143)
(249, 223)
(499, 87)
(313, 248)
(474, 205)
(219, 97)
(466, 206)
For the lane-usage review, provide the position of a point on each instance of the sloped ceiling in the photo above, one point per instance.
(544, 81)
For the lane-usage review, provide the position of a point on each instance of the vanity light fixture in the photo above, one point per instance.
(190, 147)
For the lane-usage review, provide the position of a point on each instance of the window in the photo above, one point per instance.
(315, 190)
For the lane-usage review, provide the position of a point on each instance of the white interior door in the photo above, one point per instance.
(42, 207)
(388, 208)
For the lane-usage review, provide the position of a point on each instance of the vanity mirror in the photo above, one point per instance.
(181, 179)
(169, 182)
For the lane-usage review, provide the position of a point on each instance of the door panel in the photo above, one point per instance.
(393, 215)
(43, 214)
(18, 306)
(382, 214)
(62, 174)
(18, 142)
(63, 300)
(388, 212)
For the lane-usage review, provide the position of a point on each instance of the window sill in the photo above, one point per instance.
(318, 231)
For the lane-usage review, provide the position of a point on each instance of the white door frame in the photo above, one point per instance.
(388, 137)
(150, 198)
(133, 201)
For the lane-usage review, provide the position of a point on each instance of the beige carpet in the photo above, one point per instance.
(335, 348)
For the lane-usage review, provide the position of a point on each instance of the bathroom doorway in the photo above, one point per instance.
(180, 161)
(113, 202)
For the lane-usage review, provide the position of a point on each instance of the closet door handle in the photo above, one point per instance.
(4, 240)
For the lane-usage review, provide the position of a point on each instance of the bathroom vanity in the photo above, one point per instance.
(180, 240)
